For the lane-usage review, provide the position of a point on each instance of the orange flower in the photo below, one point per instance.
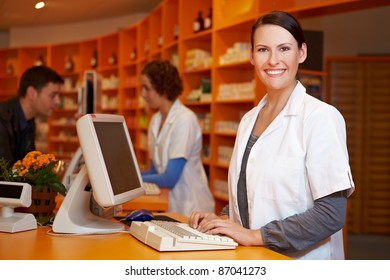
(35, 160)
(37, 169)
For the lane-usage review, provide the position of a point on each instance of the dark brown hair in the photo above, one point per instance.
(282, 19)
(38, 77)
(164, 78)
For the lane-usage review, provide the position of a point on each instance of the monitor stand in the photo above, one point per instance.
(11, 221)
(75, 216)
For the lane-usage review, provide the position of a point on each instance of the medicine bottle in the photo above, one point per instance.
(198, 23)
(94, 59)
(208, 19)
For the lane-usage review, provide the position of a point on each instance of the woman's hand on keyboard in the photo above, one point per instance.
(197, 219)
(212, 224)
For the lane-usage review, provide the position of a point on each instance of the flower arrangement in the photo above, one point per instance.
(36, 169)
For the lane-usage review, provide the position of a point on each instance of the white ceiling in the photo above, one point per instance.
(21, 13)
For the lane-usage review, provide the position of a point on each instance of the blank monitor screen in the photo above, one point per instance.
(117, 157)
(11, 191)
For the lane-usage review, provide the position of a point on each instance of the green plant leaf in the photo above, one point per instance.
(43, 177)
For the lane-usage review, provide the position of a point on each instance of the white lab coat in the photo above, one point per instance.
(300, 157)
(181, 137)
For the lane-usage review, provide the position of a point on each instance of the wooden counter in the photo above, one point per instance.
(38, 245)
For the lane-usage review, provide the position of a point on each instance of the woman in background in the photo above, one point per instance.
(289, 176)
(174, 141)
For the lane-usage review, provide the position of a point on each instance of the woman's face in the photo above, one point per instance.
(276, 57)
(151, 96)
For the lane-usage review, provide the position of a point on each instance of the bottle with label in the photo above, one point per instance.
(198, 23)
(175, 31)
(94, 59)
(40, 61)
(133, 54)
(69, 64)
(112, 59)
(160, 41)
(208, 19)
(10, 69)
(146, 47)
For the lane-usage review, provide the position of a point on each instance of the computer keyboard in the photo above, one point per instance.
(173, 236)
(151, 189)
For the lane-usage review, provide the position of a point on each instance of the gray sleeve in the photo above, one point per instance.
(301, 231)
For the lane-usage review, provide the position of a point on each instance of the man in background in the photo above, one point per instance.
(38, 95)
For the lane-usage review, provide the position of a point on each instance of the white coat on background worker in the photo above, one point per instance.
(181, 137)
(174, 142)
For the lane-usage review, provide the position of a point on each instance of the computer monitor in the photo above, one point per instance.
(112, 170)
(89, 95)
(88, 102)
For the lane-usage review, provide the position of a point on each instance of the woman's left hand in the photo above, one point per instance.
(241, 235)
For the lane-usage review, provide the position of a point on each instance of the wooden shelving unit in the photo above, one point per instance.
(167, 32)
(9, 71)
(62, 136)
(360, 88)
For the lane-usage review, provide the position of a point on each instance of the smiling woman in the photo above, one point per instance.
(289, 176)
